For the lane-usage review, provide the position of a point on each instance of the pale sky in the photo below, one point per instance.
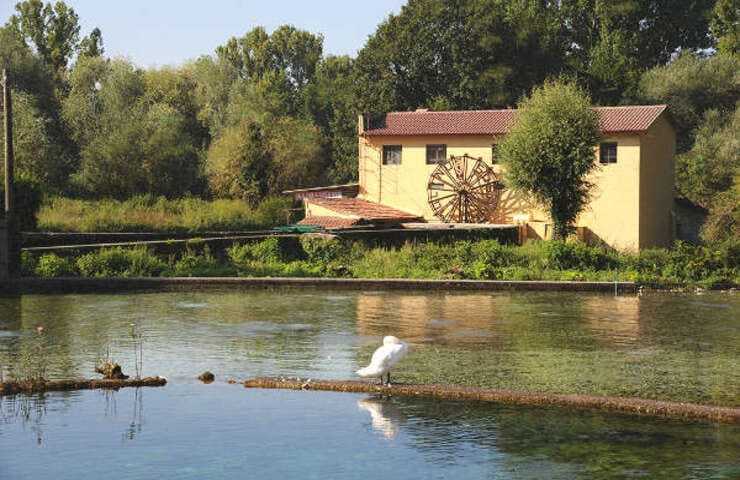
(168, 32)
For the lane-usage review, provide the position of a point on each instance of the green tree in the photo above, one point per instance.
(692, 85)
(464, 53)
(251, 160)
(39, 157)
(713, 162)
(550, 150)
(135, 130)
(237, 163)
(725, 26)
(333, 107)
(92, 45)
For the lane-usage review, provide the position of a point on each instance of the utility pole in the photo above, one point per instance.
(12, 256)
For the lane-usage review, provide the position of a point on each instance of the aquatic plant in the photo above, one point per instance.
(33, 359)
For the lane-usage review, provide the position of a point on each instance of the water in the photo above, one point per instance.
(683, 346)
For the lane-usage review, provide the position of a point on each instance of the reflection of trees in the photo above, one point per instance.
(569, 444)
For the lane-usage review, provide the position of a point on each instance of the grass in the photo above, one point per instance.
(714, 265)
(157, 214)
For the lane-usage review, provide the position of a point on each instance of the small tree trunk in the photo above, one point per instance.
(560, 231)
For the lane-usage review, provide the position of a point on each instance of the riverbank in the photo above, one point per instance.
(306, 256)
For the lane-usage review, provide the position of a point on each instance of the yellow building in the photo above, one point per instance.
(441, 167)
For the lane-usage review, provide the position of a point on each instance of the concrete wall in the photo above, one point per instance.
(657, 185)
(630, 207)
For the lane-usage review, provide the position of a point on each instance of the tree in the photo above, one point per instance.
(549, 152)
(237, 163)
(333, 107)
(135, 130)
(38, 156)
(725, 26)
(692, 85)
(463, 53)
(251, 160)
(92, 45)
(713, 162)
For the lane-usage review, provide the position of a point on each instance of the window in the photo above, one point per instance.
(608, 153)
(436, 154)
(391, 154)
(494, 161)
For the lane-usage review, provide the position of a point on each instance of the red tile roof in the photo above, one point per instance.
(329, 223)
(367, 212)
(627, 119)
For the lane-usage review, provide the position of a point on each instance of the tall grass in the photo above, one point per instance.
(482, 260)
(148, 213)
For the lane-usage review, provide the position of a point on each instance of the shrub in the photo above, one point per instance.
(192, 264)
(28, 264)
(51, 265)
(120, 262)
(562, 255)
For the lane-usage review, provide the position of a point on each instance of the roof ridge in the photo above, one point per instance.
(595, 107)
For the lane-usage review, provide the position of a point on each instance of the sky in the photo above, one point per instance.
(168, 32)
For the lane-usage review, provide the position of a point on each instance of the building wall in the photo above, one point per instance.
(630, 207)
(657, 185)
(404, 186)
(612, 216)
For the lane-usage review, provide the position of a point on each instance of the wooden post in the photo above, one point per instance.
(11, 253)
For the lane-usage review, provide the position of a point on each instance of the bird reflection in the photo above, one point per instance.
(385, 416)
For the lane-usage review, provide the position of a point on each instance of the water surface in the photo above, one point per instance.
(680, 346)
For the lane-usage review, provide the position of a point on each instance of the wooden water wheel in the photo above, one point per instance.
(464, 190)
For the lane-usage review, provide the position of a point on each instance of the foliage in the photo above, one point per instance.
(708, 265)
(158, 214)
(692, 85)
(723, 221)
(550, 150)
(713, 163)
(50, 265)
(120, 262)
(724, 26)
(28, 199)
(250, 161)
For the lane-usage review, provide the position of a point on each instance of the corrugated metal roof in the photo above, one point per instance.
(626, 119)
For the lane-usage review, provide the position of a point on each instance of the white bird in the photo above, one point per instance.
(384, 358)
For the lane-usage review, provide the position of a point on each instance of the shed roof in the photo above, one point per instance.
(363, 209)
(612, 120)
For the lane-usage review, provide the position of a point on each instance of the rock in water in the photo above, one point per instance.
(206, 377)
(111, 371)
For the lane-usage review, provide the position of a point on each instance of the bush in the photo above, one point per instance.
(562, 255)
(120, 262)
(51, 265)
(192, 264)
